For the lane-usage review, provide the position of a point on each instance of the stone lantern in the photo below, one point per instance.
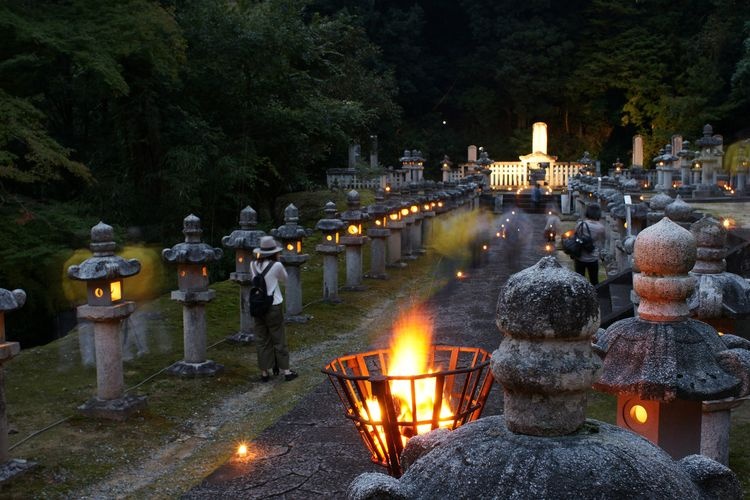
(396, 226)
(353, 239)
(330, 248)
(664, 169)
(378, 232)
(243, 241)
(543, 446)
(106, 308)
(708, 160)
(9, 301)
(192, 258)
(662, 364)
(291, 235)
(428, 213)
(408, 218)
(720, 299)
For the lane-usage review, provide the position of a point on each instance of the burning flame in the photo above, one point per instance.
(409, 355)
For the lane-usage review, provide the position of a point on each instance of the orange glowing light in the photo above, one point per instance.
(240, 259)
(329, 237)
(484, 247)
(289, 247)
(404, 212)
(414, 209)
(497, 234)
(378, 223)
(721, 334)
(440, 204)
(242, 450)
(459, 274)
(548, 247)
(426, 207)
(394, 216)
(204, 271)
(299, 247)
(99, 293)
(728, 223)
(639, 414)
(352, 229)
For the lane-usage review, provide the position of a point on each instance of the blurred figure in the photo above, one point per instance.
(552, 225)
(588, 261)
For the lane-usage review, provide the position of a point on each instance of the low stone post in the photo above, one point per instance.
(330, 248)
(408, 219)
(378, 232)
(106, 308)
(291, 235)
(192, 258)
(9, 301)
(428, 213)
(353, 239)
(415, 210)
(243, 241)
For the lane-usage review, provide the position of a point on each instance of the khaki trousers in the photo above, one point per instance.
(270, 340)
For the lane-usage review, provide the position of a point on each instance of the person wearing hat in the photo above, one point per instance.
(269, 329)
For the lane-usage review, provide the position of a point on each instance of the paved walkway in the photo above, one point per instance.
(314, 451)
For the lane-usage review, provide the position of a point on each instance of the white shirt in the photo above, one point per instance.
(274, 275)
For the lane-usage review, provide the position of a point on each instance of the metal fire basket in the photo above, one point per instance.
(461, 378)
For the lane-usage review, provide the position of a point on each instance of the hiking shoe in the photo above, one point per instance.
(290, 376)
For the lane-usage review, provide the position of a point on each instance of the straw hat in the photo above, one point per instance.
(268, 246)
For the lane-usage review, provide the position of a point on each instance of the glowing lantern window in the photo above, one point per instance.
(115, 291)
(404, 212)
(639, 414)
(192, 278)
(414, 209)
(104, 293)
(299, 246)
(204, 271)
(379, 223)
(240, 259)
(394, 216)
(329, 237)
(354, 229)
(290, 247)
(440, 204)
(426, 207)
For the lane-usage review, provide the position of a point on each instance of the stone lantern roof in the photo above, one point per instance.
(192, 251)
(679, 211)
(11, 300)
(329, 222)
(709, 140)
(717, 292)
(104, 264)
(662, 354)
(290, 230)
(353, 213)
(379, 208)
(246, 238)
(543, 447)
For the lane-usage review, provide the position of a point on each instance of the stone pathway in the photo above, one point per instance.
(314, 451)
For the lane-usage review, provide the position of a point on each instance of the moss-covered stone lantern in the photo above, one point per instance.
(378, 232)
(291, 235)
(330, 248)
(354, 238)
(192, 258)
(106, 307)
(243, 241)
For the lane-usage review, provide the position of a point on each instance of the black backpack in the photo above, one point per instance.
(260, 301)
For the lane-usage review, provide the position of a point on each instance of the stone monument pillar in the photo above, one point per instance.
(330, 248)
(378, 232)
(106, 308)
(396, 226)
(192, 258)
(291, 236)
(243, 241)
(637, 158)
(353, 239)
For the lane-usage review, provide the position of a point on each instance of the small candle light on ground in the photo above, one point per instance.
(242, 450)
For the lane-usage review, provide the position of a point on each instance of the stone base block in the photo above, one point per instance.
(409, 257)
(421, 251)
(194, 370)
(243, 338)
(397, 265)
(113, 409)
(382, 276)
(13, 468)
(333, 300)
(354, 288)
(297, 318)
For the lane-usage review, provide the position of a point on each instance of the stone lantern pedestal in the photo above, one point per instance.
(396, 228)
(9, 301)
(106, 309)
(243, 241)
(192, 258)
(291, 235)
(407, 234)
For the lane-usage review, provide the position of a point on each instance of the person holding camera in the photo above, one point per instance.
(273, 353)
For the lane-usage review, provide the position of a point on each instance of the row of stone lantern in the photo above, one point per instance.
(107, 309)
